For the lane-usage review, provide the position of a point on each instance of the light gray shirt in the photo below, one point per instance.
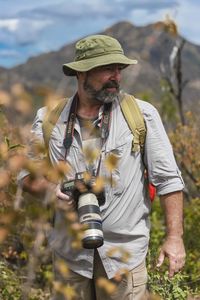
(125, 214)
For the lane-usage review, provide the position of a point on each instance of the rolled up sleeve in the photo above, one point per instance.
(163, 171)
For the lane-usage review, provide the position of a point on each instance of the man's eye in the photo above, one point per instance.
(107, 68)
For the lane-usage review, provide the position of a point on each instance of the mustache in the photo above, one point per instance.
(111, 84)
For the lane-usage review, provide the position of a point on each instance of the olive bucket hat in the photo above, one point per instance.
(95, 51)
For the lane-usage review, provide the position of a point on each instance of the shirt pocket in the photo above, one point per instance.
(115, 177)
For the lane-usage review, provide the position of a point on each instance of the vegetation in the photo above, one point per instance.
(25, 261)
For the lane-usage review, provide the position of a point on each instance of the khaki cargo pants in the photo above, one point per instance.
(130, 287)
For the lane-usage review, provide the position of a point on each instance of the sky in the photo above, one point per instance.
(31, 27)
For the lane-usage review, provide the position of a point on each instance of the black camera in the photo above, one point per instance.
(88, 206)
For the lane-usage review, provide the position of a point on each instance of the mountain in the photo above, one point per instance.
(150, 46)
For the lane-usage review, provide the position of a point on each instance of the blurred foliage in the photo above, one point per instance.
(26, 265)
(25, 259)
(168, 25)
(10, 284)
(168, 108)
(186, 144)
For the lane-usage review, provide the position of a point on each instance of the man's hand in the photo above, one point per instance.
(64, 201)
(45, 189)
(173, 249)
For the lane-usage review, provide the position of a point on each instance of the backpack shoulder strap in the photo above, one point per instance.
(135, 120)
(51, 119)
(129, 108)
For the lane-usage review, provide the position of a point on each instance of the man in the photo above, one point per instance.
(99, 61)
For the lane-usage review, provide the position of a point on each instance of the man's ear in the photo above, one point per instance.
(80, 75)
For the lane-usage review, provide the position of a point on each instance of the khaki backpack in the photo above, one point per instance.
(130, 110)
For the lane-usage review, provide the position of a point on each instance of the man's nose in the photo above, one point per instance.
(116, 74)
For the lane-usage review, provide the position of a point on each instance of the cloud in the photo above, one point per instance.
(10, 9)
(149, 6)
(9, 24)
(28, 31)
(21, 31)
(30, 19)
(82, 9)
(9, 53)
(70, 10)
(188, 27)
(39, 26)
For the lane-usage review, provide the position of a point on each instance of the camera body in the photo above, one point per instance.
(88, 207)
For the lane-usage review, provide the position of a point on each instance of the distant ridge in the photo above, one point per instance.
(150, 47)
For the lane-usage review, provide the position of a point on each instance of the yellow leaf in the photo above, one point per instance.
(87, 177)
(51, 101)
(69, 292)
(66, 290)
(16, 162)
(3, 234)
(4, 178)
(17, 89)
(4, 151)
(62, 267)
(6, 219)
(112, 251)
(76, 226)
(111, 162)
(120, 252)
(23, 105)
(71, 216)
(4, 198)
(98, 185)
(63, 167)
(120, 274)
(107, 285)
(91, 154)
(77, 245)
(5, 98)
(168, 25)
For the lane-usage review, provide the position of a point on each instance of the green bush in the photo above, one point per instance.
(186, 282)
(10, 284)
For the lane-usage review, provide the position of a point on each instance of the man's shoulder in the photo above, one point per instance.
(45, 111)
(146, 107)
(145, 104)
(41, 112)
(63, 114)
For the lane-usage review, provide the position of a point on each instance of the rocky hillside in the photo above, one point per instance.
(148, 45)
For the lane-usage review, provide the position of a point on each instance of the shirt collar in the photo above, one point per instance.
(65, 113)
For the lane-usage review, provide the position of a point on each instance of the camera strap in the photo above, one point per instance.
(105, 121)
(104, 126)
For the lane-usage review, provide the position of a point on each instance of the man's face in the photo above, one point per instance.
(102, 83)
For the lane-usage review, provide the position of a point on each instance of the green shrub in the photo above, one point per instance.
(186, 282)
(9, 283)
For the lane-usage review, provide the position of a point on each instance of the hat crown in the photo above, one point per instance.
(97, 45)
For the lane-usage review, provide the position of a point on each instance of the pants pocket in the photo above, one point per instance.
(139, 275)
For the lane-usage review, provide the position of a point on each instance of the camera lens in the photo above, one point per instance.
(89, 214)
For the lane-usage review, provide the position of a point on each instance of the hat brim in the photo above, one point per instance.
(85, 65)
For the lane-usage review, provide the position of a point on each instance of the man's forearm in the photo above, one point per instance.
(173, 208)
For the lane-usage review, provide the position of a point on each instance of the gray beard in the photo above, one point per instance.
(101, 95)
(106, 97)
